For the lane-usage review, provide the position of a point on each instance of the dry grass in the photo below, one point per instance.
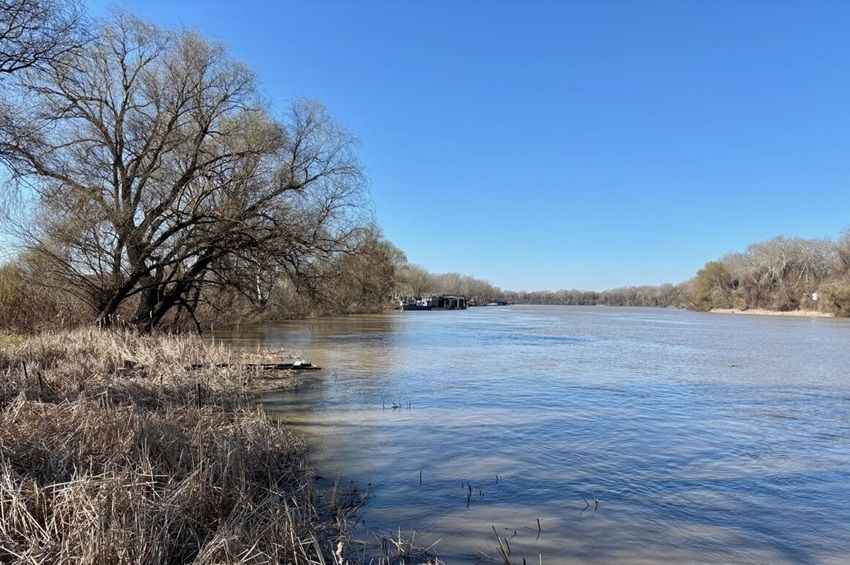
(763, 312)
(106, 457)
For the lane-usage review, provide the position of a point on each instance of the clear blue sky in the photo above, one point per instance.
(568, 144)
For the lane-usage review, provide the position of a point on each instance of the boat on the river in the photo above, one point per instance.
(441, 302)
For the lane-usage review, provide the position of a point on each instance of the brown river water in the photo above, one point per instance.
(692, 437)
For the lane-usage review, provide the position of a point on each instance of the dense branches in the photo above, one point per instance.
(34, 33)
(160, 173)
(780, 274)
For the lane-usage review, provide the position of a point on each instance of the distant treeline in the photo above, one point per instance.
(781, 274)
(666, 295)
(415, 281)
(412, 280)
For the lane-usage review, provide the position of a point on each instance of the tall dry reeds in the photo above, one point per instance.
(109, 455)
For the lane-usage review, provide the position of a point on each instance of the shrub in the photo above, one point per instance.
(834, 297)
(712, 287)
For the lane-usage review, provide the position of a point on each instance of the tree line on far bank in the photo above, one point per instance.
(662, 296)
(781, 274)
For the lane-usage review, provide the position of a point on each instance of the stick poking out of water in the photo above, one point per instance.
(503, 553)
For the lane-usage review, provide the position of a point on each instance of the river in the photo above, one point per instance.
(633, 435)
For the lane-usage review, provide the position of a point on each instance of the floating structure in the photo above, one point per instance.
(289, 366)
(451, 302)
(442, 302)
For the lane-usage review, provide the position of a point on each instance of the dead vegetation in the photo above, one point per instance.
(109, 454)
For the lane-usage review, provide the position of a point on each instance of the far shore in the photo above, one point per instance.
(762, 312)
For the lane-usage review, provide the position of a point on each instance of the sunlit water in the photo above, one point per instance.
(703, 437)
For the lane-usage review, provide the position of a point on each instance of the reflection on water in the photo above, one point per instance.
(703, 437)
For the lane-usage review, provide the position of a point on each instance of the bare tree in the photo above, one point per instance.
(35, 32)
(160, 172)
(32, 34)
(781, 273)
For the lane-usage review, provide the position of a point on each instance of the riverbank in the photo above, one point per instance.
(762, 312)
(113, 449)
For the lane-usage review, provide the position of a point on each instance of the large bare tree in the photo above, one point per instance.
(159, 171)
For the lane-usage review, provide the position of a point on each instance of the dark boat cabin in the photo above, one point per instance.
(450, 302)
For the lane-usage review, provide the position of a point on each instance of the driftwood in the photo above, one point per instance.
(297, 366)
